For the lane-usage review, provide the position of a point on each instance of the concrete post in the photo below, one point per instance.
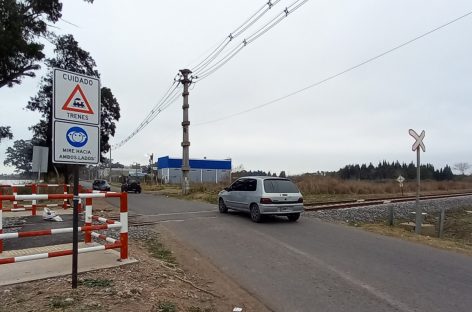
(185, 125)
(442, 216)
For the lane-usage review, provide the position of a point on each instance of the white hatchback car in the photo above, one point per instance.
(262, 196)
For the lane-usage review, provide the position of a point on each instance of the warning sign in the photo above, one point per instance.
(76, 97)
(77, 102)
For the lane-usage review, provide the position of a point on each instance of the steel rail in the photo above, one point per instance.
(375, 201)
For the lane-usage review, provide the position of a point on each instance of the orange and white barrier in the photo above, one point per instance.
(122, 224)
(35, 187)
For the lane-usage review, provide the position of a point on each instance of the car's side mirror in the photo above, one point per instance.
(227, 189)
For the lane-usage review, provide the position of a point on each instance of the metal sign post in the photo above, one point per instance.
(40, 160)
(75, 133)
(400, 181)
(416, 147)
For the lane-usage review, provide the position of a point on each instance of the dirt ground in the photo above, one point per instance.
(168, 277)
(457, 231)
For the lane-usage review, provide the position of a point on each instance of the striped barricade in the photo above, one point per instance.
(88, 228)
(35, 189)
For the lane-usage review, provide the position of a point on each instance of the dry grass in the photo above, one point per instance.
(457, 234)
(446, 243)
(312, 184)
(321, 188)
(317, 188)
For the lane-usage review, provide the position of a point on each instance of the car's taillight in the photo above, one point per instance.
(266, 201)
(300, 200)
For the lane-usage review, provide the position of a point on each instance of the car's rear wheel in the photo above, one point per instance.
(293, 217)
(255, 213)
(222, 206)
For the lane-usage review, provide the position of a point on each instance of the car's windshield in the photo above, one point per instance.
(279, 186)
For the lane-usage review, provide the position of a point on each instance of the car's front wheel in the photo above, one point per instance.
(255, 213)
(293, 217)
(222, 206)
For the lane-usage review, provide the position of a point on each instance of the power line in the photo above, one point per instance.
(70, 23)
(170, 97)
(234, 34)
(338, 74)
(204, 72)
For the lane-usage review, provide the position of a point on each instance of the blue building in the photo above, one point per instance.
(169, 170)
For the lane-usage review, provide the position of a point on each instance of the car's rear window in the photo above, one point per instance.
(279, 186)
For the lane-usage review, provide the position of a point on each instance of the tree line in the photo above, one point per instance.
(385, 170)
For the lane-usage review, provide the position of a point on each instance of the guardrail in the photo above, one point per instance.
(88, 229)
(35, 190)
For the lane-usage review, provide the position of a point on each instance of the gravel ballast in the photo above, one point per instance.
(378, 213)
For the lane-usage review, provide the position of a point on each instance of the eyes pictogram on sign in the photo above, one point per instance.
(77, 137)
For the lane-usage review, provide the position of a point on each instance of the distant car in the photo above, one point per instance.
(131, 186)
(101, 185)
(262, 196)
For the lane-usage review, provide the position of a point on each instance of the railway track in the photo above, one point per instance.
(375, 201)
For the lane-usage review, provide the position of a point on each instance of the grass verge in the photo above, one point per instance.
(457, 231)
(157, 250)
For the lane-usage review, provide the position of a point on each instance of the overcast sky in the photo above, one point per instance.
(360, 117)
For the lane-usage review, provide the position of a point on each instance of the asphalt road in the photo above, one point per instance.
(315, 266)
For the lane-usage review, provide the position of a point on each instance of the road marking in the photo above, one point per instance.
(182, 220)
(163, 221)
(176, 213)
(350, 279)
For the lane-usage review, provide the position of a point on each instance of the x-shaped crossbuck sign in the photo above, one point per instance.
(418, 138)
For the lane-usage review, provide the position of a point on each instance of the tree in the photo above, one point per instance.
(5, 133)
(238, 168)
(282, 174)
(69, 56)
(20, 156)
(447, 173)
(462, 167)
(109, 114)
(22, 23)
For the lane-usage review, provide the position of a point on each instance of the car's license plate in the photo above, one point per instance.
(285, 209)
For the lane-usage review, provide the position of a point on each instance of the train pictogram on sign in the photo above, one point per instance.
(77, 102)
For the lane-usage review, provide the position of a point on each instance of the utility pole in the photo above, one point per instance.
(151, 165)
(185, 125)
(109, 175)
